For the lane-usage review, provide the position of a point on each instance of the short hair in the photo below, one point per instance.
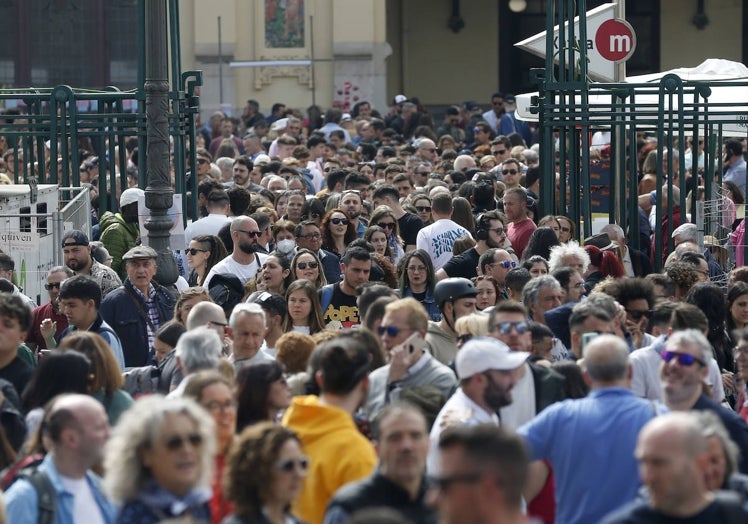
(563, 275)
(661, 279)
(532, 289)
(506, 306)
(687, 231)
(248, 309)
(395, 409)
(170, 332)
(441, 203)
(712, 426)
(687, 316)
(517, 278)
(487, 258)
(81, 287)
(357, 253)
(6, 262)
(603, 302)
(415, 313)
(662, 312)
(202, 313)
(475, 324)
(500, 453)
(582, 311)
(57, 420)
(60, 269)
(606, 358)
(344, 362)
(239, 199)
(199, 349)
(370, 293)
(293, 350)
(691, 337)
(201, 380)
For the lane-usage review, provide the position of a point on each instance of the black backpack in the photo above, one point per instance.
(45, 494)
(226, 290)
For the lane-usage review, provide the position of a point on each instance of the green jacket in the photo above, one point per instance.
(118, 237)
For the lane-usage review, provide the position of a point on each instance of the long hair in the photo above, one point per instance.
(737, 290)
(107, 376)
(327, 241)
(463, 213)
(217, 250)
(321, 279)
(373, 228)
(252, 390)
(540, 243)
(285, 264)
(59, 372)
(316, 323)
(385, 211)
(606, 261)
(402, 270)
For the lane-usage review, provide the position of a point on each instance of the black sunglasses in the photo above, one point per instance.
(637, 314)
(254, 234)
(52, 286)
(423, 209)
(303, 265)
(343, 221)
(178, 441)
(509, 172)
(194, 251)
(387, 225)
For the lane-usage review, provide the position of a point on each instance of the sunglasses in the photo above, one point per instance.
(178, 441)
(509, 172)
(202, 161)
(444, 483)
(387, 225)
(506, 327)
(506, 264)
(291, 465)
(431, 150)
(194, 251)
(637, 314)
(253, 234)
(336, 221)
(423, 209)
(684, 359)
(498, 152)
(304, 265)
(53, 285)
(392, 331)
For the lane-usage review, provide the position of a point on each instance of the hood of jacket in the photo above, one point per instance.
(313, 420)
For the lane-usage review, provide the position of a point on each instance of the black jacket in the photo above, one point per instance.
(549, 387)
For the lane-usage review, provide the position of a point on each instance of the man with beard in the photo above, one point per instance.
(401, 440)
(487, 370)
(596, 453)
(244, 261)
(490, 234)
(76, 252)
(351, 204)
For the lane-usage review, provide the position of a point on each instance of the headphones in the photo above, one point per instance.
(482, 226)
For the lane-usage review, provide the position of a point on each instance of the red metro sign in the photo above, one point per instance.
(615, 40)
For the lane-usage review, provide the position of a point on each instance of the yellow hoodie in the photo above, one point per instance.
(339, 453)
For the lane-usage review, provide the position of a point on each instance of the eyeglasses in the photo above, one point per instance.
(506, 264)
(580, 284)
(52, 285)
(220, 324)
(392, 331)
(194, 251)
(304, 265)
(509, 172)
(638, 314)
(423, 209)
(336, 221)
(444, 483)
(202, 161)
(311, 236)
(499, 231)
(220, 407)
(177, 442)
(684, 359)
(422, 173)
(289, 466)
(387, 225)
(253, 234)
(416, 269)
(506, 327)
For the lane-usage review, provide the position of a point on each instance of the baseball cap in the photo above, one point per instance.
(346, 117)
(509, 99)
(140, 252)
(483, 354)
(129, 196)
(399, 99)
(262, 160)
(281, 123)
(74, 238)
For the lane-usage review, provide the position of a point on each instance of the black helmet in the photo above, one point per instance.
(452, 289)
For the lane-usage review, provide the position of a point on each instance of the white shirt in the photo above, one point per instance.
(522, 408)
(438, 238)
(209, 225)
(85, 508)
(229, 266)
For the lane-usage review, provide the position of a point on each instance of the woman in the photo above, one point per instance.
(540, 243)
(306, 265)
(417, 280)
(385, 218)
(551, 222)
(215, 394)
(488, 291)
(471, 326)
(304, 309)
(337, 231)
(187, 300)
(281, 203)
(462, 213)
(568, 231)
(377, 237)
(536, 265)
(262, 393)
(603, 264)
(313, 209)
(265, 475)
(276, 273)
(205, 251)
(105, 379)
(737, 308)
(422, 205)
(159, 461)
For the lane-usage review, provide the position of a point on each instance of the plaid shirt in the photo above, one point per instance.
(150, 306)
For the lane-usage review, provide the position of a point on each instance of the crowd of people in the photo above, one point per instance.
(372, 324)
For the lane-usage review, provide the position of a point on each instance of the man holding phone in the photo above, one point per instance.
(410, 366)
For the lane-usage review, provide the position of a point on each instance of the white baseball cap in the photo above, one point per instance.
(485, 353)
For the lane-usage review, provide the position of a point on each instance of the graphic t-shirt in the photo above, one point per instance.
(342, 308)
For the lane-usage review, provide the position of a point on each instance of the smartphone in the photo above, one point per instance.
(587, 338)
(414, 343)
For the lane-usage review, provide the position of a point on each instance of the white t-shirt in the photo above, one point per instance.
(438, 238)
(522, 408)
(85, 508)
(229, 266)
(209, 225)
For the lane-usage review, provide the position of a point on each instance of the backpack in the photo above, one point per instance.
(142, 380)
(45, 493)
(226, 290)
(326, 297)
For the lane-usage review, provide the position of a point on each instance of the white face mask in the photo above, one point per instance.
(286, 247)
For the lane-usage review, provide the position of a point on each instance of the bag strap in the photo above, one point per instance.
(45, 494)
(141, 308)
(326, 297)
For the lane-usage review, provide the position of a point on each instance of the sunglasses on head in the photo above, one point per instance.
(684, 359)
(637, 314)
(506, 327)
(509, 172)
(194, 251)
(423, 209)
(290, 465)
(304, 265)
(178, 441)
(392, 331)
(52, 285)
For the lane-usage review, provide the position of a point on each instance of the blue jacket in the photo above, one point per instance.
(22, 503)
(429, 305)
(120, 311)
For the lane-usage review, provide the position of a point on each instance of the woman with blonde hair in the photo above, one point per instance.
(471, 326)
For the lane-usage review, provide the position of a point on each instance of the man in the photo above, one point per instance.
(244, 261)
(198, 349)
(409, 223)
(48, 321)
(636, 263)
(139, 307)
(7, 266)
(426, 150)
(501, 148)
(227, 132)
(455, 298)
(537, 387)
(75, 429)
(210, 315)
(603, 424)
(332, 123)
(488, 233)
(572, 284)
(15, 322)
(120, 231)
(275, 309)
(520, 227)
(438, 238)
(76, 252)
(682, 373)
(511, 172)
(339, 300)
(493, 115)
(636, 295)
(339, 453)
(540, 295)
(487, 371)
(217, 205)
(401, 440)
(80, 300)
(247, 331)
(352, 204)
(409, 367)
(308, 236)
(673, 457)
(404, 185)
(734, 164)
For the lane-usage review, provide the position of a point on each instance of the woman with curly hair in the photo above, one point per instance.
(304, 309)
(159, 461)
(205, 251)
(417, 280)
(337, 231)
(265, 475)
(306, 265)
(384, 217)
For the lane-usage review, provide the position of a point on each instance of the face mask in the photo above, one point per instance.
(286, 247)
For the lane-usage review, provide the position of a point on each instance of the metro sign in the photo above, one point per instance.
(610, 41)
